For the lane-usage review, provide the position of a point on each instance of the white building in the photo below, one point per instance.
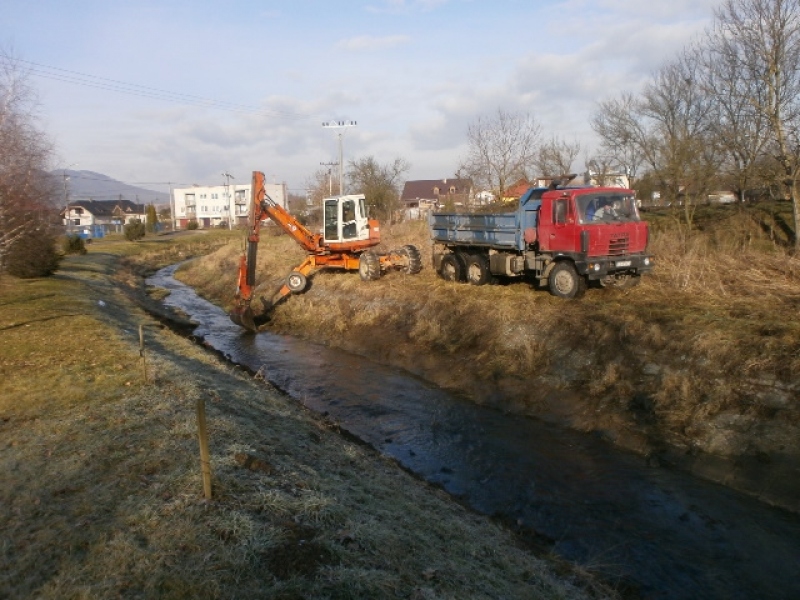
(211, 206)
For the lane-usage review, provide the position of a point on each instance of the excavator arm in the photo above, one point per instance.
(263, 207)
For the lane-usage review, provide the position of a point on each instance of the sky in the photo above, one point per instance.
(180, 91)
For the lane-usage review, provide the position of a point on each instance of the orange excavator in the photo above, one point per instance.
(345, 243)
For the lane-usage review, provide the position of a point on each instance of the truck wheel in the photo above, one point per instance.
(565, 282)
(413, 259)
(369, 266)
(296, 282)
(452, 268)
(477, 271)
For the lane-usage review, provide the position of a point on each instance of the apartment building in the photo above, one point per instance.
(212, 206)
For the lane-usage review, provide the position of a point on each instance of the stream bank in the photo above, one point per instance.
(657, 533)
(704, 387)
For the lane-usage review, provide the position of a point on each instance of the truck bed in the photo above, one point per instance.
(492, 230)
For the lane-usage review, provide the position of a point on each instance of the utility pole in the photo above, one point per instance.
(171, 209)
(231, 206)
(330, 178)
(340, 125)
(66, 203)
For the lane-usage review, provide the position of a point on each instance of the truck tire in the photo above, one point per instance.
(369, 266)
(565, 282)
(413, 259)
(452, 268)
(477, 271)
(296, 282)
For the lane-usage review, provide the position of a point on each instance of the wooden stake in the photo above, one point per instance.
(141, 351)
(205, 460)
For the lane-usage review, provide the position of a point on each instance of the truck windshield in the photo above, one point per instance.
(607, 207)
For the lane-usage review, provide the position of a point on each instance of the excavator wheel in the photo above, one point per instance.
(413, 259)
(369, 266)
(296, 282)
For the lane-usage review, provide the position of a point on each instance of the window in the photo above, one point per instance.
(560, 212)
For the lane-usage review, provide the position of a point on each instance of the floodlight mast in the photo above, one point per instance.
(340, 125)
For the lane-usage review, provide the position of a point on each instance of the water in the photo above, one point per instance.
(657, 532)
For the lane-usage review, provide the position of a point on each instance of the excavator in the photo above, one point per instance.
(344, 243)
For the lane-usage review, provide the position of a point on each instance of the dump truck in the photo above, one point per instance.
(562, 238)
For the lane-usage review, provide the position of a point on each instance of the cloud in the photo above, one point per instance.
(368, 43)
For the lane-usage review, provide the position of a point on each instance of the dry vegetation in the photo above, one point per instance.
(102, 497)
(699, 360)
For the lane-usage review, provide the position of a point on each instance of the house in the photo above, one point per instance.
(211, 206)
(421, 196)
(95, 218)
(514, 191)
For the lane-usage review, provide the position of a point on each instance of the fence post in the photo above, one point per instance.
(205, 459)
(141, 351)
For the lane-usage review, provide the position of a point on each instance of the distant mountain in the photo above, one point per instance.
(88, 185)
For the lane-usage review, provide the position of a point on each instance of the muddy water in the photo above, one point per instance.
(656, 532)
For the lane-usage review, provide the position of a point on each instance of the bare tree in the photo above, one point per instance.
(741, 132)
(669, 128)
(556, 156)
(25, 190)
(623, 135)
(379, 183)
(682, 153)
(502, 149)
(759, 40)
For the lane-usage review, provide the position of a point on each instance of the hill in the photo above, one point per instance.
(88, 185)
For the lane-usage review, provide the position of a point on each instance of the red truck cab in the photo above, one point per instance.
(598, 230)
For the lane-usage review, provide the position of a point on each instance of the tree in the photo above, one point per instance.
(622, 136)
(669, 127)
(502, 149)
(759, 41)
(379, 183)
(25, 189)
(151, 218)
(556, 156)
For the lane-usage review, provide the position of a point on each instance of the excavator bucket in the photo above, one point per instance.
(243, 316)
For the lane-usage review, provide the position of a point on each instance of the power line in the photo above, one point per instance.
(134, 89)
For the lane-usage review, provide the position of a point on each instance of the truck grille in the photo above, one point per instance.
(618, 245)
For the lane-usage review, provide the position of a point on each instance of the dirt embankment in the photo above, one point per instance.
(696, 368)
(102, 496)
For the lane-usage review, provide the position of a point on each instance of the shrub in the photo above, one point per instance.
(192, 225)
(33, 255)
(134, 231)
(73, 244)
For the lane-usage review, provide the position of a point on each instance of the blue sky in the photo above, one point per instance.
(239, 86)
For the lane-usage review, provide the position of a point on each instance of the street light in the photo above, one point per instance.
(339, 125)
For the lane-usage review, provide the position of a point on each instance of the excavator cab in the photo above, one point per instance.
(346, 219)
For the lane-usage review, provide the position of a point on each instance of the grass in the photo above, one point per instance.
(659, 368)
(102, 496)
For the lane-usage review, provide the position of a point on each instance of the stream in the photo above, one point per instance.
(656, 532)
